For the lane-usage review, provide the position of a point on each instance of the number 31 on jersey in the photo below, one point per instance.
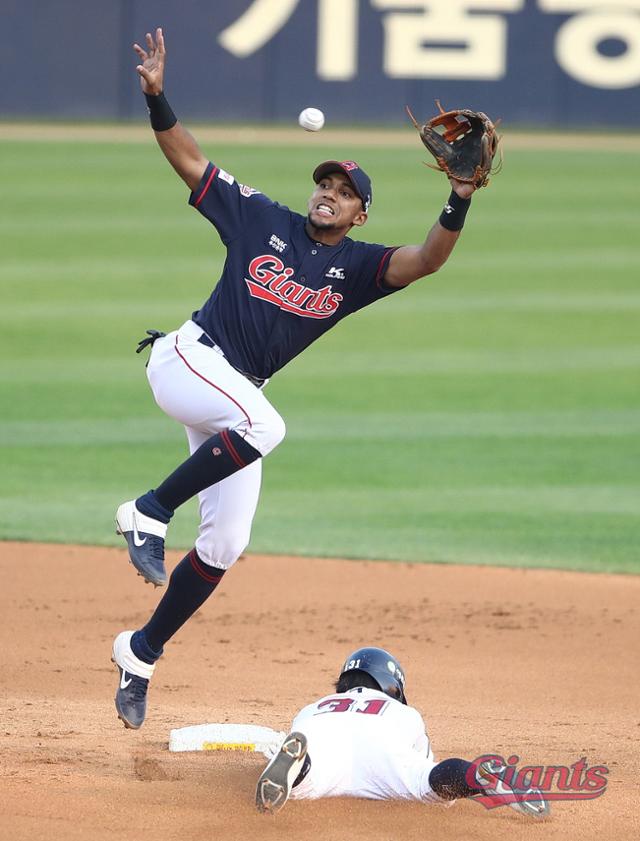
(371, 706)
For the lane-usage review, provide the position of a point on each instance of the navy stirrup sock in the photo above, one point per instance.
(142, 649)
(221, 455)
(190, 585)
(149, 505)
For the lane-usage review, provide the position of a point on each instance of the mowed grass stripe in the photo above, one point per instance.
(439, 362)
(477, 361)
(340, 425)
(532, 302)
(584, 540)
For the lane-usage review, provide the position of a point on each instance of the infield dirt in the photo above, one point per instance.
(541, 664)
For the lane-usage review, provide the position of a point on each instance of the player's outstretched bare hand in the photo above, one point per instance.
(151, 70)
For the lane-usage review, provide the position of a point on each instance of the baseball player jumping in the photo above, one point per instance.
(287, 279)
(365, 741)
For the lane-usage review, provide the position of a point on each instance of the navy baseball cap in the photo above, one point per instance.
(358, 177)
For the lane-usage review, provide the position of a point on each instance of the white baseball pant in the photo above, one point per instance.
(195, 385)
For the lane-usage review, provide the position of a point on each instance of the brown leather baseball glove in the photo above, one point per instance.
(463, 142)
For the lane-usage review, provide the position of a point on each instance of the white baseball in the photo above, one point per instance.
(311, 119)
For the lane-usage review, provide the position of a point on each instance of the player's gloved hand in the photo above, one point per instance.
(464, 144)
(151, 70)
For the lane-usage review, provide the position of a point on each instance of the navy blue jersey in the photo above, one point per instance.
(280, 290)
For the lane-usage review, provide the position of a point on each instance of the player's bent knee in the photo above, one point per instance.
(222, 551)
(277, 432)
(265, 432)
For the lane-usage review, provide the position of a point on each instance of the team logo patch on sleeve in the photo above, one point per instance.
(247, 191)
(225, 176)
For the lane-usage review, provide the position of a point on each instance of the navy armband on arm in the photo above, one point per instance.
(160, 113)
(454, 211)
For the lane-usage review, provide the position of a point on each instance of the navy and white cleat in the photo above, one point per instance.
(131, 695)
(277, 779)
(145, 541)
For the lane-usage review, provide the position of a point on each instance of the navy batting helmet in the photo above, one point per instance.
(382, 667)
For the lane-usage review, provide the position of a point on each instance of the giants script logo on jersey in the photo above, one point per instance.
(271, 281)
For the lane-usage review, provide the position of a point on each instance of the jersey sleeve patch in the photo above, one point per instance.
(222, 201)
(225, 176)
(247, 191)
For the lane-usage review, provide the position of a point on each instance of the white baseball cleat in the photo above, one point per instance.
(145, 541)
(277, 779)
(131, 695)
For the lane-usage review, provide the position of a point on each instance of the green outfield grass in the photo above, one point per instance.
(488, 414)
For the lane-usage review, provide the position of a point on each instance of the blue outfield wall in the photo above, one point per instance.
(548, 62)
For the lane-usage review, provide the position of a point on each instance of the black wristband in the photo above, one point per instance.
(160, 113)
(454, 211)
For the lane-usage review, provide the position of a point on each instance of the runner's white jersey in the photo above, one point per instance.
(362, 743)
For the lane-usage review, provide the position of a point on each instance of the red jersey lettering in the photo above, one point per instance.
(270, 281)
